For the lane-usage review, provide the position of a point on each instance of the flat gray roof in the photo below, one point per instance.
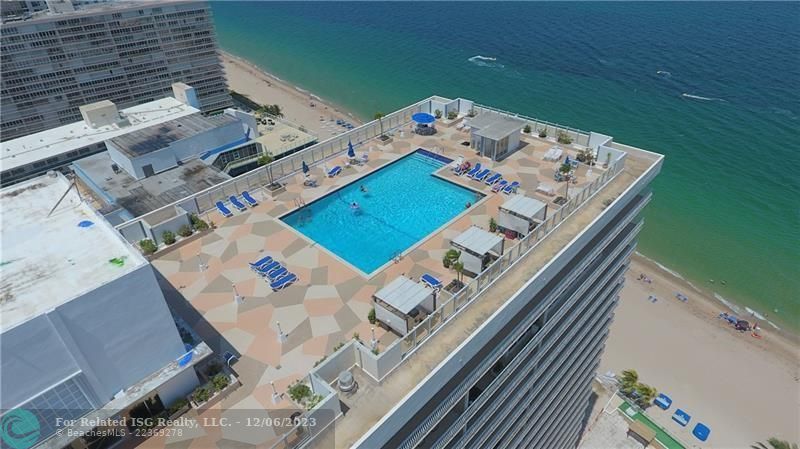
(403, 294)
(154, 138)
(495, 126)
(140, 197)
(523, 206)
(477, 240)
(52, 258)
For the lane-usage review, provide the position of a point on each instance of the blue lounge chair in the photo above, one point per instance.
(275, 274)
(249, 199)
(701, 431)
(499, 186)
(662, 401)
(482, 175)
(261, 262)
(681, 417)
(430, 281)
(474, 170)
(493, 179)
(511, 188)
(334, 171)
(237, 204)
(265, 269)
(223, 209)
(284, 282)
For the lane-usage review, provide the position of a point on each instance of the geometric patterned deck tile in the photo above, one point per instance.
(289, 317)
(297, 336)
(293, 296)
(360, 308)
(418, 255)
(250, 243)
(322, 307)
(241, 435)
(321, 291)
(214, 248)
(266, 228)
(319, 275)
(299, 360)
(233, 222)
(167, 267)
(294, 247)
(347, 319)
(348, 288)
(237, 276)
(225, 313)
(307, 257)
(230, 252)
(220, 284)
(316, 346)
(240, 339)
(323, 325)
(378, 280)
(529, 179)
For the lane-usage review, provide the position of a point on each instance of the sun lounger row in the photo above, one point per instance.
(700, 431)
(276, 274)
(485, 175)
(223, 209)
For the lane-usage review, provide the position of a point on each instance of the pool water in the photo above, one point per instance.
(402, 204)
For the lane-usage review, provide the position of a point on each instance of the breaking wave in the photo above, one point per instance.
(485, 61)
(698, 97)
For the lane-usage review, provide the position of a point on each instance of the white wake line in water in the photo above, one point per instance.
(698, 97)
(483, 58)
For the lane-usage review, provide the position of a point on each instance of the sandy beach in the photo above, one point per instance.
(298, 106)
(745, 389)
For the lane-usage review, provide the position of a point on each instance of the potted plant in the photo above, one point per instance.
(450, 257)
(564, 138)
(527, 129)
(197, 223)
(185, 230)
(371, 316)
(452, 115)
(148, 246)
(168, 237)
(492, 225)
(543, 133)
(438, 114)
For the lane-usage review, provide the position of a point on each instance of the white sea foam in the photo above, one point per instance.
(698, 97)
(664, 72)
(755, 314)
(485, 61)
(668, 270)
(727, 303)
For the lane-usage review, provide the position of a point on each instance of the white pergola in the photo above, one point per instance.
(395, 302)
(521, 214)
(477, 246)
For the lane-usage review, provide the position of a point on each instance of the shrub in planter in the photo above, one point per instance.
(299, 391)
(371, 316)
(148, 246)
(185, 231)
(177, 405)
(543, 133)
(450, 257)
(527, 129)
(438, 114)
(472, 113)
(201, 395)
(313, 401)
(492, 225)
(220, 381)
(452, 115)
(197, 223)
(168, 237)
(564, 138)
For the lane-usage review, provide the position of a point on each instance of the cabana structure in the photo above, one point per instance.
(400, 304)
(495, 136)
(425, 123)
(478, 248)
(521, 214)
(642, 433)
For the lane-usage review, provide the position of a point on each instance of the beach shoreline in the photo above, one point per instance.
(775, 352)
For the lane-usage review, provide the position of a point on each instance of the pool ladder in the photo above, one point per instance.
(304, 215)
(397, 256)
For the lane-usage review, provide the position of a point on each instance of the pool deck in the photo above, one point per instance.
(331, 301)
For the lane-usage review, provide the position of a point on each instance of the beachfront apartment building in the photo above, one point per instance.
(86, 331)
(504, 359)
(76, 53)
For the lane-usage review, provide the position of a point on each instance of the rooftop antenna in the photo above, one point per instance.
(71, 185)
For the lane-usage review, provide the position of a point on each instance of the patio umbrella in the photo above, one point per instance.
(351, 152)
(305, 167)
(423, 118)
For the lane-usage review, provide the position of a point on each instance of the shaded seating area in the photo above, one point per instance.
(424, 124)
(403, 303)
(478, 248)
(521, 214)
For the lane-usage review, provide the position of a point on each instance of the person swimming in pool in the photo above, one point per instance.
(354, 206)
(363, 189)
(468, 205)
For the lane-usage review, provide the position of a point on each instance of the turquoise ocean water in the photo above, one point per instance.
(714, 86)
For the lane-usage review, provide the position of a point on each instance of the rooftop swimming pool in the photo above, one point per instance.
(402, 204)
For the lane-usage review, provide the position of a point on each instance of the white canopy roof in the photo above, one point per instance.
(524, 206)
(403, 294)
(477, 240)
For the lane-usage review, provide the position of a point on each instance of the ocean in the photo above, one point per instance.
(713, 86)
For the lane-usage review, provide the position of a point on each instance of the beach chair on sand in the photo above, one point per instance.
(499, 186)
(249, 199)
(261, 262)
(237, 204)
(482, 175)
(223, 209)
(493, 179)
(334, 171)
(284, 281)
(431, 281)
(681, 417)
(511, 188)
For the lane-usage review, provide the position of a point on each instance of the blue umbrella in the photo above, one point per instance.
(305, 167)
(351, 152)
(423, 118)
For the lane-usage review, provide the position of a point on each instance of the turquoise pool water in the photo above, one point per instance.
(403, 203)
